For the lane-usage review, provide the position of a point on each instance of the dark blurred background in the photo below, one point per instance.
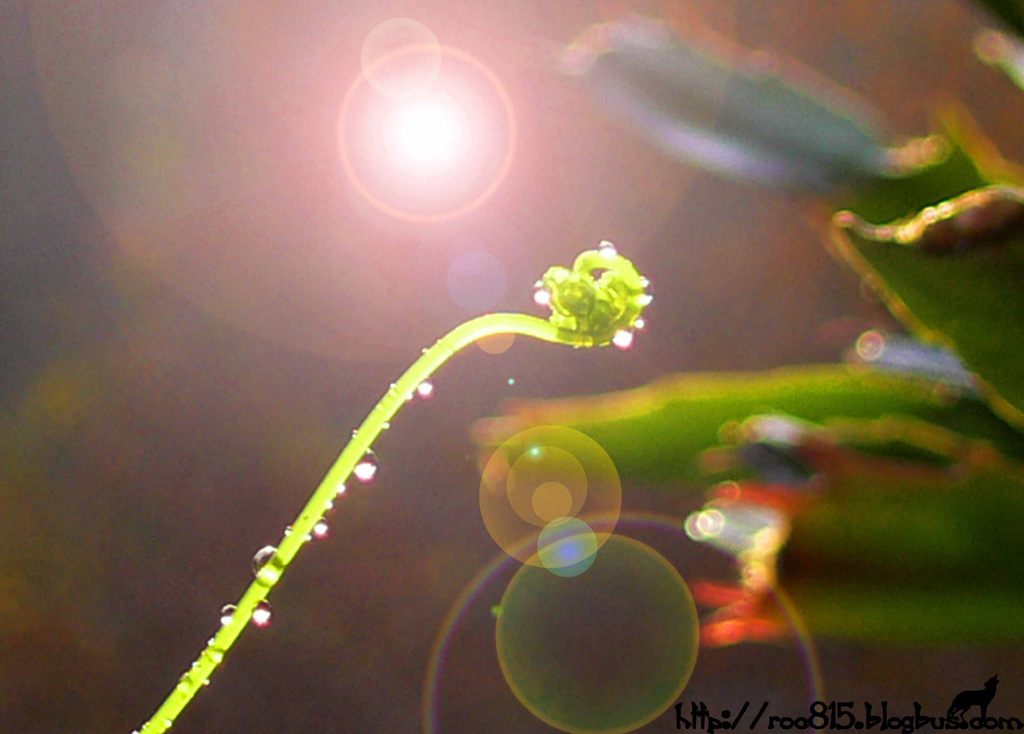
(196, 308)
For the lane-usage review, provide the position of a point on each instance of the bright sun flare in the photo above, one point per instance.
(426, 133)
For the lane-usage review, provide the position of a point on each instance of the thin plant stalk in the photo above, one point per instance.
(586, 312)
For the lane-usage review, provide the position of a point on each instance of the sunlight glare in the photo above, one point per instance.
(426, 133)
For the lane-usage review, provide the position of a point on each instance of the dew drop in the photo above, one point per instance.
(266, 566)
(511, 381)
(320, 529)
(640, 324)
(542, 296)
(607, 249)
(342, 488)
(329, 505)
(216, 656)
(261, 614)
(263, 555)
(623, 339)
(366, 469)
(645, 299)
(385, 425)
(287, 530)
(425, 389)
(227, 614)
(644, 282)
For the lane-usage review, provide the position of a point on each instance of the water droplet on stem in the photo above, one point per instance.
(265, 565)
(623, 339)
(366, 470)
(261, 614)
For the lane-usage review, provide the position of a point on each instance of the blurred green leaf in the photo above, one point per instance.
(1002, 50)
(881, 560)
(943, 615)
(884, 553)
(1010, 12)
(947, 529)
(655, 433)
(950, 285)
(742, 113)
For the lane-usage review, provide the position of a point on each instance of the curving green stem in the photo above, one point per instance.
(586, 312)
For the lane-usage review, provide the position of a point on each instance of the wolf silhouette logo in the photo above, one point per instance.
(981, 699)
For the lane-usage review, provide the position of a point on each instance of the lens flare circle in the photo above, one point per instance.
(552, 501)
(476, 281)
(567, 547)
(538, 473)
(476, 598)
(496, 344)
(408, 75)
(870, 345)
(527, 477)
(605, 651)
(479, 130)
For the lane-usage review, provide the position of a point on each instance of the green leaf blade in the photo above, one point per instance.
(968, 297)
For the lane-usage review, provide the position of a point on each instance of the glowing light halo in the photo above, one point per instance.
(645, 673)
(426, 133)
(393, 211)
(496, 344)
(474, 588)
(524, 495)
(551, 501)
(476, 281)
(567, 547)
(537, 459)
(398, 34)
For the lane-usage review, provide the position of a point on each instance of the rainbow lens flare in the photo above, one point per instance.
(603, 651)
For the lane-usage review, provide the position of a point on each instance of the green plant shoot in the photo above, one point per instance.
(586, 311)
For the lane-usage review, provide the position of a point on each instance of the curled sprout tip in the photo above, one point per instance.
(602, 295)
